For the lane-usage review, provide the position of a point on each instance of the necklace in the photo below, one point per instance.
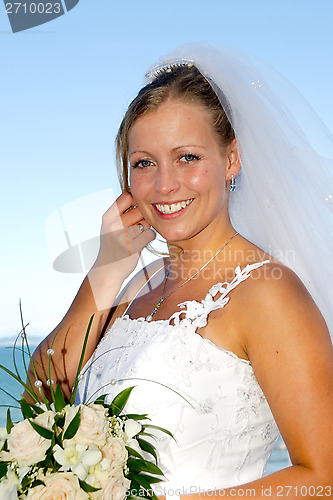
(162, 299)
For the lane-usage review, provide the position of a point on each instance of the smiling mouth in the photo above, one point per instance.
(173, 207)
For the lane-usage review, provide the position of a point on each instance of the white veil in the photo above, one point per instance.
(284, 194)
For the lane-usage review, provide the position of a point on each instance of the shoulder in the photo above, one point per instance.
(273, 287)
(279, 314)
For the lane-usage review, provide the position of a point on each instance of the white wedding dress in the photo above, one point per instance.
(205, 395)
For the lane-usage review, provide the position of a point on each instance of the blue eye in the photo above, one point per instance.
(189, 157)
(142, 164)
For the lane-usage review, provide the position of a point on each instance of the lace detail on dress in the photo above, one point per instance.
(207, 396)
(196, 313)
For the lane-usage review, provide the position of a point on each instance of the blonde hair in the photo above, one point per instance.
(183, 83)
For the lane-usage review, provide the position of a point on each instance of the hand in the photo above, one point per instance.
(122, 236)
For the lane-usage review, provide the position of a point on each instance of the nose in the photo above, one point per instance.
(166, 180)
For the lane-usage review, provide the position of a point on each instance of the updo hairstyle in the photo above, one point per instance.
(184, 83)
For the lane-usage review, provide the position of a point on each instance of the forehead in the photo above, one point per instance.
(172, 121)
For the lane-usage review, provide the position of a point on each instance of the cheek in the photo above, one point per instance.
(139, 187)
(196, 178)
(138, 184)
(201, 180)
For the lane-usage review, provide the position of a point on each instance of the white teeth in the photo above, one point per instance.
(174, 207)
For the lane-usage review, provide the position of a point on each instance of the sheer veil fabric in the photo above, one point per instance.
(284, 197)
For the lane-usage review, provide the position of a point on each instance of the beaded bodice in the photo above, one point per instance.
(205, 395)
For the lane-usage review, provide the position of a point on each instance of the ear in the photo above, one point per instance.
(234, 164)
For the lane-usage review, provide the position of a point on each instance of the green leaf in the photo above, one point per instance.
(142, 481)
(37, 409)
(141, 433)
(100, 400)
(3, 469)
(45, 433)
(86, 487)
(73, 426)
(38, 482)
(147, 447)
(30, 390)
(9, 422)
(136, 416)
(26, 409)
(46, 464)
(120, 400)
(133, 453)
(159, 429)
(137, 487)
(5, 446)
(9, 395)
(137, 465)
(59, 400)
(151, 479)
(134, 487)
(59, 420)
(18, 379)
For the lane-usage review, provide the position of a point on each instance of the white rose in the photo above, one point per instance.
(93, 426)
(60, 486)
(114, 488)
(115, 450)
(45, 419)
(25, 445)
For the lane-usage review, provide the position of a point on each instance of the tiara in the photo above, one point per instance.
(167, 67)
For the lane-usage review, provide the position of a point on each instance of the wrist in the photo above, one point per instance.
(104, 285)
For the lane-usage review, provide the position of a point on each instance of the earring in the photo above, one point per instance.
(232, 184)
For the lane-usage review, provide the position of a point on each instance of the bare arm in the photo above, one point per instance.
(291, 353)
(121, 244)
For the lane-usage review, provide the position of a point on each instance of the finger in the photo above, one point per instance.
(140, 241)
(144, 223)
(139, 228)
(122, 203)
(133, 217)
(113, 220)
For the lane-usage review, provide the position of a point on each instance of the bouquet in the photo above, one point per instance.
(62, 450)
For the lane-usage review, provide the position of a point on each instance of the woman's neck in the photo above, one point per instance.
(210, 245)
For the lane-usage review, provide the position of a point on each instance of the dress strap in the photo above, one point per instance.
(196, 313)
(142, 287)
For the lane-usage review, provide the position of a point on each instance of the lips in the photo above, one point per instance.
(171, 208)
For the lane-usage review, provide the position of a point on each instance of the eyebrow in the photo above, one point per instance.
(138, 151)
(188, 146)
(172, 150)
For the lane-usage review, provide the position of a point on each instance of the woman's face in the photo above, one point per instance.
(178, 171)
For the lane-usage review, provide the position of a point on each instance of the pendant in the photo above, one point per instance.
(154, 311)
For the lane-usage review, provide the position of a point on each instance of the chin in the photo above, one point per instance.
(176, 236)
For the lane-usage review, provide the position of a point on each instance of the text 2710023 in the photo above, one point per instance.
(33, 8)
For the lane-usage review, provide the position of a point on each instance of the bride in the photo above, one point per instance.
(223, 341)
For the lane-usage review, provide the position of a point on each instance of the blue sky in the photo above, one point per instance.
(64, 88)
